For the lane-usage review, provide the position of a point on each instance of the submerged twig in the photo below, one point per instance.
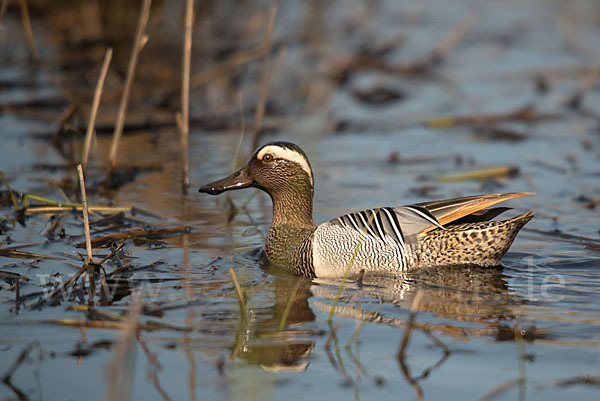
(138, 44)
(95, 104)
(17, 362)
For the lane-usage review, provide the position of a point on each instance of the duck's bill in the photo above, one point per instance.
(237, 180)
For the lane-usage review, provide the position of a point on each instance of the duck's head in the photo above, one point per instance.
(277, 168)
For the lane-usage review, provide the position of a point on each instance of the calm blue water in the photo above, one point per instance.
(463, 345)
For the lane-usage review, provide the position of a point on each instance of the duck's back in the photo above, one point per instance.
(408, 237)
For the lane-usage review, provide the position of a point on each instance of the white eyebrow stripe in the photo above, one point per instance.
(282, 153)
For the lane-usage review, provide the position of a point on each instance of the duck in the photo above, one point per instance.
(448, 232)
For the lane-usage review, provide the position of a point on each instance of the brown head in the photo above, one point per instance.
(282, 170)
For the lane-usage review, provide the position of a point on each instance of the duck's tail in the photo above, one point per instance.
(480, 243)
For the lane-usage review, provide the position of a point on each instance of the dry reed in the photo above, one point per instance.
(86, 219)
(28, 30)
(138, 44)
(95, 104)
(185, 94)
(264, 75)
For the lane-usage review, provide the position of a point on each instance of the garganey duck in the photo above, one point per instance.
(387, 239)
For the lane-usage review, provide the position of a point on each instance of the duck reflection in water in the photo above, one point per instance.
(464, 294)
(280, 338)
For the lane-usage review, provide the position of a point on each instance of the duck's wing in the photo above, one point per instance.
(400, 224)
(403, 223)
(471, 208)
(383, 224)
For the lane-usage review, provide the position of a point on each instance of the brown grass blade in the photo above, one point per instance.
(138, 44)
(482, 174)
(185, 94)
(95, 104)
(11, 253)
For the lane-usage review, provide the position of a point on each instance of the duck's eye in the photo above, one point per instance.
(268, 157)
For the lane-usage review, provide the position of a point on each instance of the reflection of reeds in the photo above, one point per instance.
(414, 308)
(291, 300)
(496, 391)
(122, 366)
(521, 358)
(240, 294)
